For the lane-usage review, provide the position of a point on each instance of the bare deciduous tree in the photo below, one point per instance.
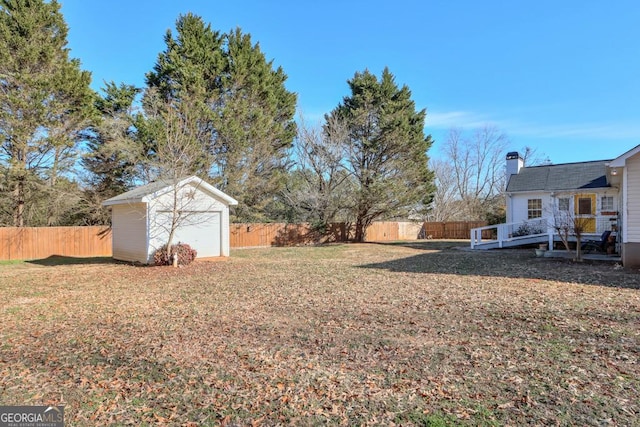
(470, 175)
(567, 224)
(320, 183)
(176, 151)
(445, 201)
(532, 157)
(472, 172)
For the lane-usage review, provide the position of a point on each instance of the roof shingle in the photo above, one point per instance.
(562, 177)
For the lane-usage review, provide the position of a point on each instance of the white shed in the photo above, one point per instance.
(141, 219)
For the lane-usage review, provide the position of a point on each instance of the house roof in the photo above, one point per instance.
(561, 177)
(145, 193)
(621, 160)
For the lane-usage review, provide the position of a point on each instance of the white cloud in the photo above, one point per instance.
(457, 119)
(514, 127)
(603, 131)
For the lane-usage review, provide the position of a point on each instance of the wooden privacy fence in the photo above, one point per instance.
(451, 230)
(43, 242)
(279, 234)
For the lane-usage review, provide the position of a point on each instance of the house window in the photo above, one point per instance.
(606, 204)
(534, 208)
(584, 206)
(563, 204)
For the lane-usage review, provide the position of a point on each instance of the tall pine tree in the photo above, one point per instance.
(245, 114)
(387, 149)
(111, 150)
(45, 101)
(254, 128)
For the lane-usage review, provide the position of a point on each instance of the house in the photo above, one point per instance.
(143, 218)
(624, 173)
(603, 195)
(580, 189)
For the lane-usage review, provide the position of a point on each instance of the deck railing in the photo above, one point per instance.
(524, 230)
(513, 231)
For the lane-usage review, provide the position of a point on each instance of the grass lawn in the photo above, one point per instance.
(415, 334)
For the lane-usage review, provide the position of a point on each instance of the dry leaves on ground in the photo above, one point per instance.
(343, 334)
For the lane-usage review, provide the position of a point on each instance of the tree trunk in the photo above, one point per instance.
(51, 208)
(169, 243)
(360, 230)
(578, 247)
(174, 222)
(18, 197)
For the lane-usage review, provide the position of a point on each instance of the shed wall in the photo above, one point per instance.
(200, 230)
(190, 197)
(204, 224)
(129, 225)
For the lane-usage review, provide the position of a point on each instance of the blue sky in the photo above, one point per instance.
(560, 76)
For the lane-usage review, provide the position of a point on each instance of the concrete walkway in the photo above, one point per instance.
(591, 257)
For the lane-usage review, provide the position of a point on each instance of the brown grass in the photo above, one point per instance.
(417, 334)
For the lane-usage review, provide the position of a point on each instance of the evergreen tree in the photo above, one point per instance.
(245, 114)
(254, 129)
(188, 71)
(387, 149)
(192, 62)
(112, 151)
(45, 101)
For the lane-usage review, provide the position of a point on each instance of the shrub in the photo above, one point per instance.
(186, 254)
(527, 230)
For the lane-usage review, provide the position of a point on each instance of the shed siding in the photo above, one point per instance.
(226, 233)
(633, 199)
(129, 224)
(200, 230)
(189, 198)
(213, 237)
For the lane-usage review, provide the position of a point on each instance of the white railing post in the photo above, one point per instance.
(500, 235)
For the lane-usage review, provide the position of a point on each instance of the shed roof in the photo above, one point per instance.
(561, 177)
(145, 193)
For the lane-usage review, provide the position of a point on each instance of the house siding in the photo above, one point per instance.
(129, 232)
(517, 206)
(631, 209)
(633, 200)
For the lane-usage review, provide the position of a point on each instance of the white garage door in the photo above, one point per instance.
(201, 230)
